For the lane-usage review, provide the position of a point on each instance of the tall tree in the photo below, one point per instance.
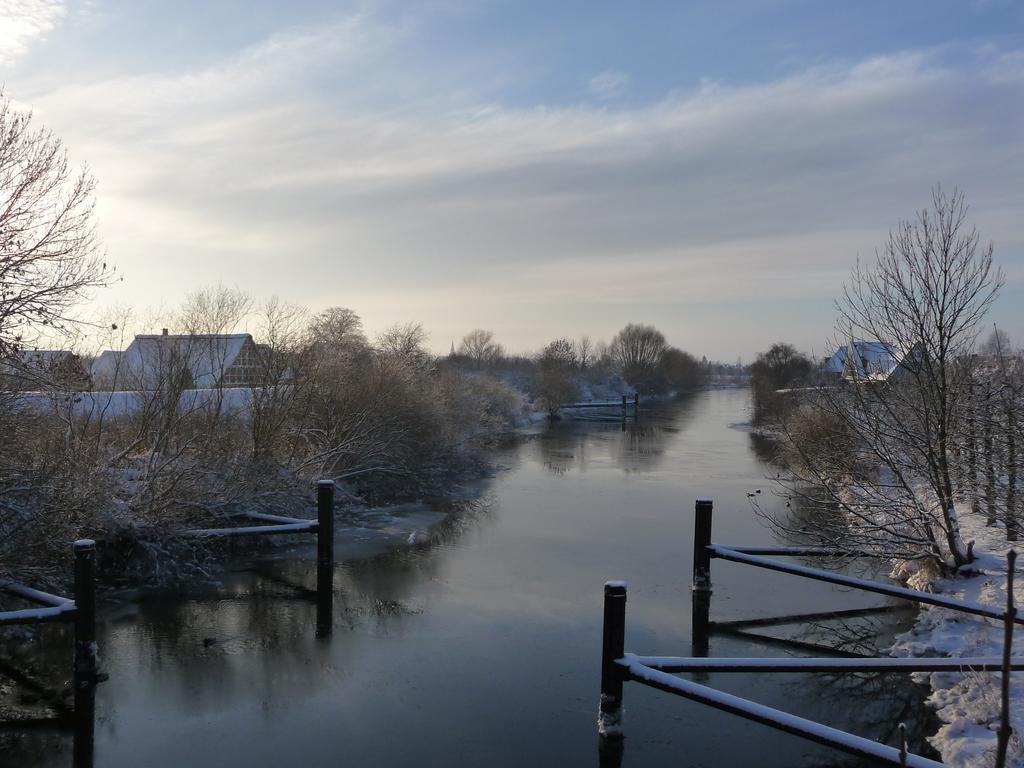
(49, 252)
(925, 295)
(637, 350)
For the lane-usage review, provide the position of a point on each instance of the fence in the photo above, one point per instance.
(625, 405)
(619, 667)
(81, 611)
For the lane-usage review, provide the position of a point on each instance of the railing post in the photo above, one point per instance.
(85, 612)
(700, 623)
(609, 719)
(701, 541)
(83, 748)
(324, 557)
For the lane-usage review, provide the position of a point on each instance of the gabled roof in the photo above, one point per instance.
(871, 360)
(149, 356)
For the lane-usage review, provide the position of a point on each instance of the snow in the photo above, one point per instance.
(105, 404)
(960, 604)
(759, 713)
(864, 360)
(803, 664)
(149, 357)
(609, 724)
(968, 703)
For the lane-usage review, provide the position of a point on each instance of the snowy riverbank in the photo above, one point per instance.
(968, 703)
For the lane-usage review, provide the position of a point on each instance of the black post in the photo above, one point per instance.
(701, 541)
(85, 612)
(636, 403)
(613, 647)
(700, 623)
(324, 557)
(1005, 729)
(85, 725)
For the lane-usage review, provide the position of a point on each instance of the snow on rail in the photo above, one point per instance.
(56, 608)
(35, 595)
(268, 518)
(299, 527)
(808, 729)
(34, 615)
(790, 664)
(724, 553)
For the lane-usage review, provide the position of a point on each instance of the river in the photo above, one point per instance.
(472, 637)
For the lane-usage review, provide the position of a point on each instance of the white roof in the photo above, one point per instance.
(865, 360)
(148, 356)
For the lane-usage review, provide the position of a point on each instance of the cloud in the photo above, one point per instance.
(282, 168)
(24, 21)
(608, 84)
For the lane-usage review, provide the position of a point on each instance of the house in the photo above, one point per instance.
(188, 361)
(31, 369)
(867, 361)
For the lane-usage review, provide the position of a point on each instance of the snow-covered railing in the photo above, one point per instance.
(822, 734)
(623, 404)
(704, 551)
(275, 525)
(618, 667)
(81, 610)
(797, 664)
(964, 606)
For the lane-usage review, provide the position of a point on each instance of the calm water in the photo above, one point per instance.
(479, 644)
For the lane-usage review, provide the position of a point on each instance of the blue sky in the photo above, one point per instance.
(539, 169)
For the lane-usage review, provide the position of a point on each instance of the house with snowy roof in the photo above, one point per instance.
(37, 368)
(867, 361)
(189, 361)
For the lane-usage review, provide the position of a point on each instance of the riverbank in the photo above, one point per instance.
(968, 704)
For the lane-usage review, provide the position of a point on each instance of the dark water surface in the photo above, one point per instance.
(479, 643)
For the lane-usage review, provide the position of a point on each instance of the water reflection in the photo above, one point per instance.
(472, 636)
(631, 445)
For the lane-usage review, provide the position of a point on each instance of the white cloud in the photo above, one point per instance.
(608, 84)
(254, 172)
(24, 21)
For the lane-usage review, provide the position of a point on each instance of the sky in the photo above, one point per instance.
(537, 169)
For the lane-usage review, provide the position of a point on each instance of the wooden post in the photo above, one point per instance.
(700, 623)
(613, 647)
(85, 612)
(701, 541)
(324, 557)
(1005, 729)
(83, 749)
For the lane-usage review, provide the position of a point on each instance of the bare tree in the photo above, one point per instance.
(339, 330)
(637, 350)
(585, 351)
(556, 382)
(480, 347)
(779, 367)
(49, 253)
(406, 341)
(884, 464)
(214, 311)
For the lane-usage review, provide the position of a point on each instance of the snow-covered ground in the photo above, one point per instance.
(968, 703)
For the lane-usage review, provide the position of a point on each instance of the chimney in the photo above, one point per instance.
(163, 332)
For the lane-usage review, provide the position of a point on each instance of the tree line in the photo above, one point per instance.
(638, 358)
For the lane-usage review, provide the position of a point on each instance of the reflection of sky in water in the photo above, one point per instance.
(479, 645)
